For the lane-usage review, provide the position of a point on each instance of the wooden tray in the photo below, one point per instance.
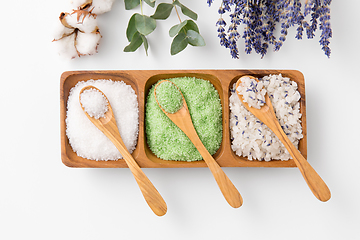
(141, 81)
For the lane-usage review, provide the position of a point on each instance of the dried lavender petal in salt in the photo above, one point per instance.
(250, 137)
(252, 91)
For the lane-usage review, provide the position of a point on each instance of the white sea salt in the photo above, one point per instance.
(94, 103)
(250, 137)
(85, 138)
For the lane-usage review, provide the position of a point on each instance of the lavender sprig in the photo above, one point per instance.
(325, 27)
(259, 19)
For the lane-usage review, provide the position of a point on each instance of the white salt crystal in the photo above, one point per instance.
(85, 138)
(94, 103)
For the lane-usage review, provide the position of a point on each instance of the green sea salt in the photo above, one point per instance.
(166, 140)
(169, 97)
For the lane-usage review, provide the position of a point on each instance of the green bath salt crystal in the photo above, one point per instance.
(165, 139)
(169, 97)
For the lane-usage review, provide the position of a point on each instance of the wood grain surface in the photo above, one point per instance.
(266, 114)
(182, 119)
(141, 81)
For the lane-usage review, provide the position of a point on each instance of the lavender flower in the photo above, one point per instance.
(247, 38)
(312, 27)
(221, 22)
(221, 10)
(259, 19)
(327, 2)
(307, 9)
(299, 31)
(234, 52)
(325, 27)
(223, 39)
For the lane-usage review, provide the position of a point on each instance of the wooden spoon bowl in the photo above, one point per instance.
(267, 115)
(182, 119)
(107, 125)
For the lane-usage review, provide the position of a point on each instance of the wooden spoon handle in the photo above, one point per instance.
(108, 126)
(312, 178)
(227, 188)
(150, 193)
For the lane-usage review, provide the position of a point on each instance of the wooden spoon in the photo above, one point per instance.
(107, 125)
(182, 119)
(267, 115)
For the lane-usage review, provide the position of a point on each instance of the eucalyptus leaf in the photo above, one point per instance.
(144, 24)
(179, 43)
(135, 43)
(191, 25)
(146, 44)
(163, 11)
(151, 3)
(131, 29)
(185, 10)
(130, 4)
(185, 25)
(194, 38)
(176, 28)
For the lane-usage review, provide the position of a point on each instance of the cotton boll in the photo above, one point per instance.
(66, 47)
(60, 31)
(64, 43)
(78, 3)
(86, 43)
(102, 6)
(96, 6)
(71, 20)
(85, 22)
(77, 34)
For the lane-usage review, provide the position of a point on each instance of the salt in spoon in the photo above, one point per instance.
(267, 115)
(107, 124)
(182, 119)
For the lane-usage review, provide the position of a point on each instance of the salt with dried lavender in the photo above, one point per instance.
(253, 139)
(252, 91)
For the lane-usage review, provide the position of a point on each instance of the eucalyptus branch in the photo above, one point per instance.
(141, 7)
(177, 13)
(140, 25)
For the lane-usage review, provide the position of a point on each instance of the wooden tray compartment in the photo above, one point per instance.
(141, 81)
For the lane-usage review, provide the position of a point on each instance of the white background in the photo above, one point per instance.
(40, 198)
